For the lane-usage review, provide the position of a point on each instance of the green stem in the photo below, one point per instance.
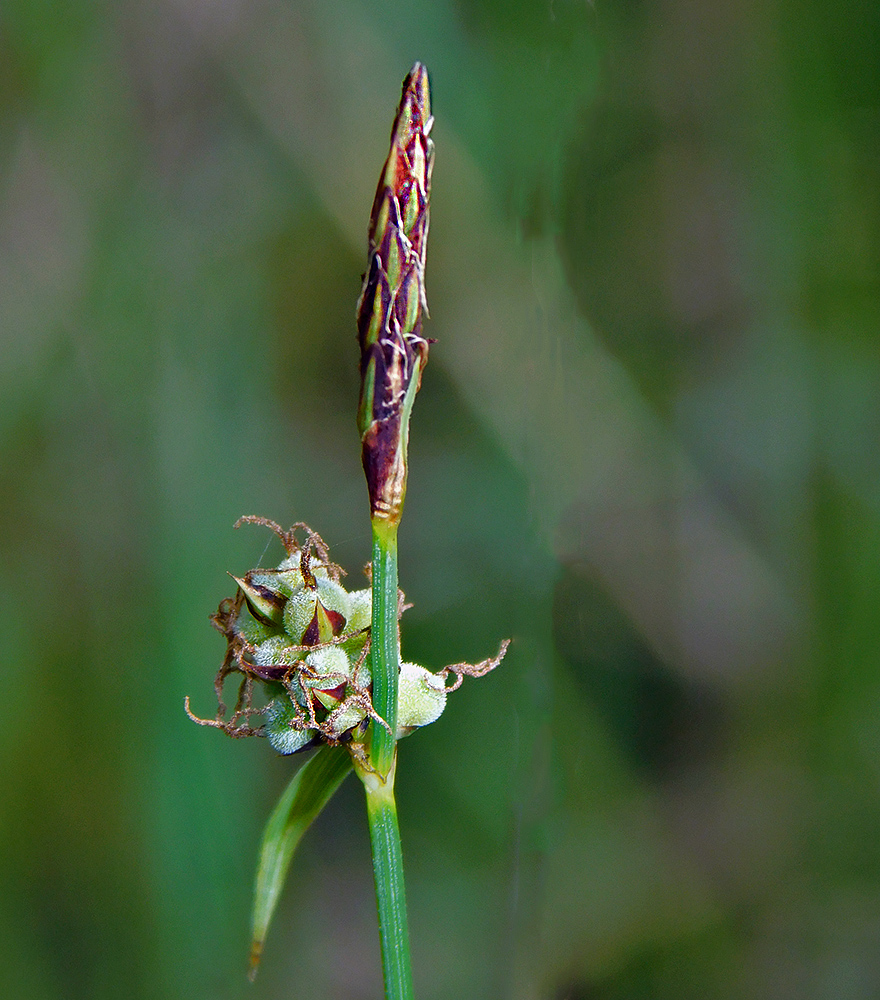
(390, 894)
(384, 644)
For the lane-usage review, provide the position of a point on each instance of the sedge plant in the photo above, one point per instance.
(319, 665)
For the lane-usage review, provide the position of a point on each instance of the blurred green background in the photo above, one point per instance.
(646, 448)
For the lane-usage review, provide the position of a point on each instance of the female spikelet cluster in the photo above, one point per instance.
(301, 643)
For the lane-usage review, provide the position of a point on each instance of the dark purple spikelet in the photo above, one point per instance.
(389, 312)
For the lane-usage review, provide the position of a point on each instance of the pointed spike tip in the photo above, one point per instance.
(418, 85)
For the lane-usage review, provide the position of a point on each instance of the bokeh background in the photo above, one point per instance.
(646, 448)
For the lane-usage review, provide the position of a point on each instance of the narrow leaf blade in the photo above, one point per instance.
(310, 789)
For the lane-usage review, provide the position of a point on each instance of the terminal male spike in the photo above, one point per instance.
(392, 302)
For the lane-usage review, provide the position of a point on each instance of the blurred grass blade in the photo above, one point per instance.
(309, 791)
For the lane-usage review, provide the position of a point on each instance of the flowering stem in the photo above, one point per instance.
(385, 646)
(297, 630)
(390, 895)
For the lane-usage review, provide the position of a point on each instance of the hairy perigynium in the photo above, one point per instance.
(296, 635)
